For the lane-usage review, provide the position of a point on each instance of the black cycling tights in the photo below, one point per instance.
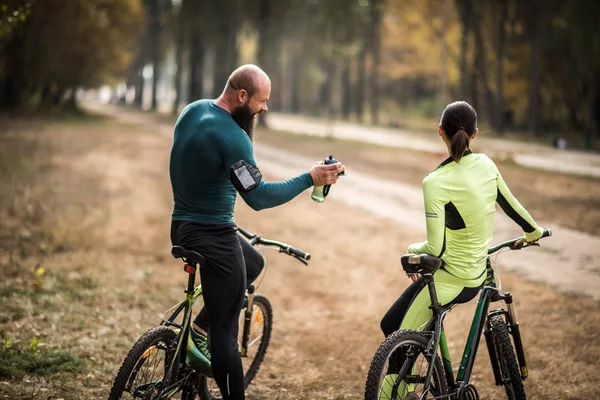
(223, 283)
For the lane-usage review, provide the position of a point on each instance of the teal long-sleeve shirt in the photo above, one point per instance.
(206, 143)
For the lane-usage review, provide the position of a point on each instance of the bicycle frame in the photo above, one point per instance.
(191, 295)
(439, 340)
(472, 344)
(481, 318)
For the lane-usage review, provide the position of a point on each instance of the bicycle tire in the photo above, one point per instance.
(509, 366)
(263, 303)
(385, 350)
(145, 342)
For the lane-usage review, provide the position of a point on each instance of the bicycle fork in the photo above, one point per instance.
(516, 334)
(247, 322)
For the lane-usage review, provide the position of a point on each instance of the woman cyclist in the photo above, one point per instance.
(460, 198)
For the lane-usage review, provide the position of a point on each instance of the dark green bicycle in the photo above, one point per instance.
(157, 368)
(419, 371)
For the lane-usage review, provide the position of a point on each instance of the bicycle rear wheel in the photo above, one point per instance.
(509, 368)
(399, 369)
(142, 374)
(258, 341)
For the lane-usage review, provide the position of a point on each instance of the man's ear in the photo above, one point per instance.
(242, 96)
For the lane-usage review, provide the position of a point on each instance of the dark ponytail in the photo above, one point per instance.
(459, 122)
(460, 143)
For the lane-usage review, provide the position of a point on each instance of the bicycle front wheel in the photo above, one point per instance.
(261, 325)
(143, 373)
(509, 368)
(399, 369)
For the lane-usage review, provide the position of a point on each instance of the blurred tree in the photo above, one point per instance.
(157, 10)
(501, 13)
(376, 11)
(538, 21)
(180, 30)
(227, 14)
(45, 57)
(465, 11)
(197, 25)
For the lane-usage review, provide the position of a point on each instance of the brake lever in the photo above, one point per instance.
(281, 250)
(301, 260)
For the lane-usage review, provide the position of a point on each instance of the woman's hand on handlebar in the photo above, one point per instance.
(522, 241)
(519, 243)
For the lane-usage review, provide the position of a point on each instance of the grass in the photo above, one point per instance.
(16, 362)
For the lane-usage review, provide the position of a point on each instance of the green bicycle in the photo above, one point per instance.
(422, 373)
(157, 367)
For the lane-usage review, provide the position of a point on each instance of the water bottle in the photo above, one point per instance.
(320, 192)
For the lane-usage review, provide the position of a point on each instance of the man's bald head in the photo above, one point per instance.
(246, 94)
(248, 77)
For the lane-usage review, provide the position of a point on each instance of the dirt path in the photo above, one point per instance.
(326, 324)
(568, 261)
(525, 154)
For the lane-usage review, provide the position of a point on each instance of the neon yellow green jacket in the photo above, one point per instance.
(460, 202)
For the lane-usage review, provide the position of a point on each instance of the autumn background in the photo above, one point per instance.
(89, 92)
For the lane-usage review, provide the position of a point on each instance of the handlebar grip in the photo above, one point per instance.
(298, 253)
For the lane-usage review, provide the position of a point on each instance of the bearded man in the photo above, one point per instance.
(212, 159)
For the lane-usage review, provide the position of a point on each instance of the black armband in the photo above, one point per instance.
(245, 176)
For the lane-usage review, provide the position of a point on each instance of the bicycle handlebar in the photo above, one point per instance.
(283, 247)
(511, 243)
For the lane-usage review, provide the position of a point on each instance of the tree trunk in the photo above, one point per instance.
(346, 88)
(324, 107)
(376, 48)
(296, 81)
(226, 50)
(536, 67)
(499, 104)
(155, 48)
(359, 96)
(196, 59)
(596, 108)
(264, 39)
(592, 129)
(474, 85)
(441, 95)
(180, 30)
(139, 87)
(480, 65)
(466, 14)
(72, 100)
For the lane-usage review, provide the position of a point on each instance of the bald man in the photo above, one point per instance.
(212, 160)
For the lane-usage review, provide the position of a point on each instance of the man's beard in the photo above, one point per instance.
(245, 119)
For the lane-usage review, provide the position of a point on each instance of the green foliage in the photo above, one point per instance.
(16, 362)
(12, 14)
(62, 45)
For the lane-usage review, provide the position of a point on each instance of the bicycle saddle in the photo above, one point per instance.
(420, 263)
(194, 256)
